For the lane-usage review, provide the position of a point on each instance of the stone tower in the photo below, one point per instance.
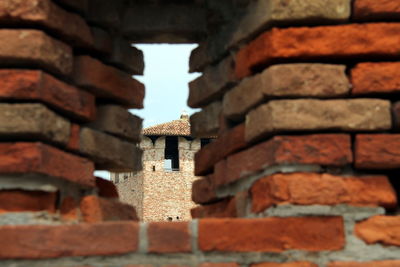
(162, 190)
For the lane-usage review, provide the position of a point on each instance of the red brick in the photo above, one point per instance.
(69, 209)
(74, 138)
(380, 229)
(26, 47)
(322, 189)
(37, 85)
(19, 200)
(108, 82)
(288, 264)
(260, 235)
(106, 188)
(325, 42)
(95, 209)
(389, 263)
(169, 237)
(377, 151)
(222, 209)
(43, 159)
(103, 239)
(203, 191)
(372, 9)
(226, 144)
(45, 13)
(369, 78)
(320, 149)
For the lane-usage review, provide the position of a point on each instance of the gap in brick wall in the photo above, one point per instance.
(166, 77)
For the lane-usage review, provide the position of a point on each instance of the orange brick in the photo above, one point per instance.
(288, 264)
(222, 209)
(108, 82)
(371, 9)
(69, 209)
(226, 144)
(325, 42)
(377, 151)
(168, 237)
(322, 189)
(37, 85)
(19, 200)
(380, 229)
(232, 264)
(369, 78)
(43, 159)
(389, 263)
(95, 209)
(320, 149)
(103, 239)
(74, 138)
(260, 235)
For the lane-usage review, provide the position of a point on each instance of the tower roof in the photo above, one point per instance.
(179, 127)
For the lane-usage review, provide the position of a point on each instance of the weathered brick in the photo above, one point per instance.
(263, 14)
(102, 40)
(26, 47)
(169, 237)
(108, 82)
(106, 188)
(319, 149)
(325, 42)
(380, 229)
(377, 151)
(322, 189)
(37, 85)
(203, 191)
(212, 84)
(19, 200)
(109, 152)
(199, 58)
(96, 209)
(46, 13)
(69, 209)
(309, 114)
(396, 115)
(33, 121)
(232, 264)
(73, 143)
(370, 9)
(206, 122)
(222, 209)
(369, 78)
(43, 159)
(101, 239)
(105, 13)
(260, 235)
(226, 144)
(287, 264)
(117, 121)
(387, 263)
(127, 57)
(286, 80)
(80, 5)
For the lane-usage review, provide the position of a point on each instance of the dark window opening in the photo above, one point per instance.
(154, 168)
(169, 219)
(204, 142)
(171, 153)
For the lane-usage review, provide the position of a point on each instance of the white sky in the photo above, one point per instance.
(166, 78)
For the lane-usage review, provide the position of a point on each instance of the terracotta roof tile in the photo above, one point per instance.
(179, 127)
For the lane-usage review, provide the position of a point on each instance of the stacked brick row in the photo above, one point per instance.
(65, 87)
(305, 105)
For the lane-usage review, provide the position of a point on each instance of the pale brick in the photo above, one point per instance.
(32, 121)
(286, 80)
(206, 122)
(117, 121)
(212, 84)
(27, 46)
(45, 13)
(318, 115)
(262, 14)
(110, 153)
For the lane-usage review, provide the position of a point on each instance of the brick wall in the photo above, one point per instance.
(303, 96)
